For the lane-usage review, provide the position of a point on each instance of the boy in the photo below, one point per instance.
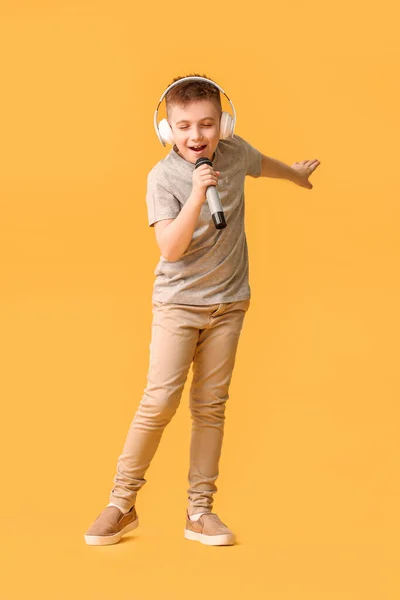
(200, 297)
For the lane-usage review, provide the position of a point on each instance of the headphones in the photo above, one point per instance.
(226, 125)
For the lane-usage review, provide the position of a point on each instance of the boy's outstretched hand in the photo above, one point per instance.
(303, 170)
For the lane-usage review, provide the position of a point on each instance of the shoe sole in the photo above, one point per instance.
(107, 540)
(210, 540)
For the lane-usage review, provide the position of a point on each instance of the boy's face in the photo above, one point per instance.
(195, 128)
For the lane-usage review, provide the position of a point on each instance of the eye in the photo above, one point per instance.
(183, 127)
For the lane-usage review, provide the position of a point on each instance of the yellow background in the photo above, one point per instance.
(310, 467)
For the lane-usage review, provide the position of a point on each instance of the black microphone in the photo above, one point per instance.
(213, 197)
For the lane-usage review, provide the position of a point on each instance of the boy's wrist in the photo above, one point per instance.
(293, 176)
(271, 167)
(197, 197)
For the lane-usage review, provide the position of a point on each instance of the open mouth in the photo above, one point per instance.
(197, 149)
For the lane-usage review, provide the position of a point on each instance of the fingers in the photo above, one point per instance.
(310, 163)
(206, 175)
(209, 181)
(204, 169)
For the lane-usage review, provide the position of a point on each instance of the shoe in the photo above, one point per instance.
(210, 530)
(110, 526)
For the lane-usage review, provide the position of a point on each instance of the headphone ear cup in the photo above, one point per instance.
(226, 126)
(165, 132)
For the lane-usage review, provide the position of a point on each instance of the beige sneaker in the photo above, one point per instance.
(110, 526)
(210, 530)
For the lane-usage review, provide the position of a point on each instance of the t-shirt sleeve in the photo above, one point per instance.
(252, 158)
(161, 203)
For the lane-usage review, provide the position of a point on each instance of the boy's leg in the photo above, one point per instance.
(213, 365)
(174, 338)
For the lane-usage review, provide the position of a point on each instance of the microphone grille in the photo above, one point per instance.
(203, 160)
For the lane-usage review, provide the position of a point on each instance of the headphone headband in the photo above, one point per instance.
(195, 78)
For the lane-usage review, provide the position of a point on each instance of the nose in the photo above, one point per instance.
(196, 133)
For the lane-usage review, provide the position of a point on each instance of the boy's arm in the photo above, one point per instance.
(298, 173)
(174, 237)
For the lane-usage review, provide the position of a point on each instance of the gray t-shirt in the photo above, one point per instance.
(214, 267)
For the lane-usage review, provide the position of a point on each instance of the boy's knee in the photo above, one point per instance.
(159, 407)
(211, 412)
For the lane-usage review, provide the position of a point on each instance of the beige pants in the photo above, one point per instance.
(208, 336)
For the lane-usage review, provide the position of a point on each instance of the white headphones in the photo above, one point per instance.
(227, 122)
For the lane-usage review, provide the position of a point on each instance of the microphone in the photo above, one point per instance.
(213, 197)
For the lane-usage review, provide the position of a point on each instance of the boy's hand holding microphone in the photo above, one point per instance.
(205, 180)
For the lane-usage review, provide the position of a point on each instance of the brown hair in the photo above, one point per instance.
(192, 90)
